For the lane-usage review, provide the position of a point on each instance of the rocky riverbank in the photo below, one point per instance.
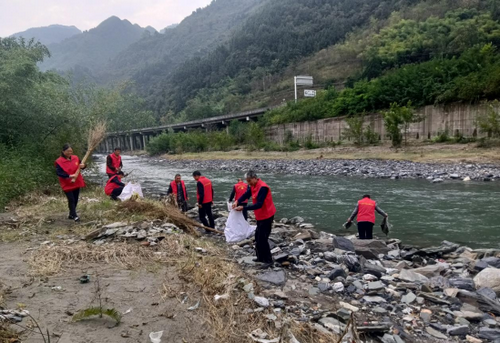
(382, 169)
(392, 291)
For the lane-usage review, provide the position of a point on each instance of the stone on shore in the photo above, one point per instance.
(488, 278)
(273, 277)
(411, 276)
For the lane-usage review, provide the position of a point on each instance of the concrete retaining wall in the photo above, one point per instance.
(456, 118)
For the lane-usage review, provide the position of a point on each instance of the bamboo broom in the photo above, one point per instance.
(96, 136)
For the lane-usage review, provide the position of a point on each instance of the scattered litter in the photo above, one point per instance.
(200, 250)
(57, 288)
(128, 311)
(221, 297)
(155, 337)
(195, 307)
(85, 279)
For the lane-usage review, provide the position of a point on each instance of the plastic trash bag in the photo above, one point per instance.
(386, 227)
(237, 228)
(130, 190)
(155, 337)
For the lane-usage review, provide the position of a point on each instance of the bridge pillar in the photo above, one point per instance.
(131, 138)
(107, 144)
(143, 142)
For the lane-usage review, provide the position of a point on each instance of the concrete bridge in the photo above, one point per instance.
(138, 138)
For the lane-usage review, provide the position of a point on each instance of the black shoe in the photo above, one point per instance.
(266, 266)
(70, 217)
(77, 219)
(256, 260)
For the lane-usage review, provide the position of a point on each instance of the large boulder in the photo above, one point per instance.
(276, 278)
(411, 276)
(492, 261)
(343, 244)
(488, 278)
(432, 270)
(370, 249)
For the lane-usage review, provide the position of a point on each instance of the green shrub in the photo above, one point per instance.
(442, 137)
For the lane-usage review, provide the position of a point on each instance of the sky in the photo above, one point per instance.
(19, 15)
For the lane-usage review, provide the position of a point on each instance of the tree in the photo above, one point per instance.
(489, 123)
(396, 119)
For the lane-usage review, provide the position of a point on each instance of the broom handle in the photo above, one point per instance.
(85, 158)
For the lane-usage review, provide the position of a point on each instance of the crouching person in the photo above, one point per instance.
(114, 186)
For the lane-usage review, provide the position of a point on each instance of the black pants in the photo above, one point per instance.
(365, 230)
(116, 193)
(73, 201)
(204, 212)
(262, 234)
(245, 213)
(183, 206)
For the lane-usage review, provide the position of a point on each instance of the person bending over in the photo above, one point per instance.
(365, 211)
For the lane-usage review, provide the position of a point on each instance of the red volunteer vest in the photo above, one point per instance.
(268, 209)
(366, 210)
(70, 167)
(241, 189)
(207, 184)
(173, 184)
(110, 186)
(117, 160)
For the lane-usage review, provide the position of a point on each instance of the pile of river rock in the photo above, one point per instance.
(382, 169)
(396, 292)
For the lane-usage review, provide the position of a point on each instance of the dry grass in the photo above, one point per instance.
(158, 210)
(212, 274)
(7, 335)
(48, 260)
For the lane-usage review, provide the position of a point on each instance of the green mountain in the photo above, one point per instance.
(93, 49)
(49, 34)
(151, 60)
(363, 45)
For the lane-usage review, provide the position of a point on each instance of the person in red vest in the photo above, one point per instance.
(264, 209)
(178, 188)
(66, 167)
(114, 186)
(365, 211)
(114, 163)
(205, 195)
(239, 190)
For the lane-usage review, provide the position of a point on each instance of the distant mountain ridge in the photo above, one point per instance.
(49, 34)
(93, 49)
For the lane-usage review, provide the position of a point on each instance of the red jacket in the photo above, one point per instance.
(117, 161)
(366, 210)
(208, 191)
(173, 185)
(111, 186)
(268, 209)
(240, 189)
(70, 167)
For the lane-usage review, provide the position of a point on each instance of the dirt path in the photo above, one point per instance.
(139, 290)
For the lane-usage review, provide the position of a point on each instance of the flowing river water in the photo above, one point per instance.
(421, 213)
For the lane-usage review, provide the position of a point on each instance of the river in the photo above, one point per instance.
(421, 213)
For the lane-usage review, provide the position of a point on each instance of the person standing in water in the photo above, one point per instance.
(365, 211)
(67, 165)
(264, 209)
(178, 188)
(238, 191)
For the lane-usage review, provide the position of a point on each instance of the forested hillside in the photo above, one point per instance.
(93, 49)
(279, 32)
(49, 34)
(151, 60)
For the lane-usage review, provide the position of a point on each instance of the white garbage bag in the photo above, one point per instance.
(131, 189)
(237, 228)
